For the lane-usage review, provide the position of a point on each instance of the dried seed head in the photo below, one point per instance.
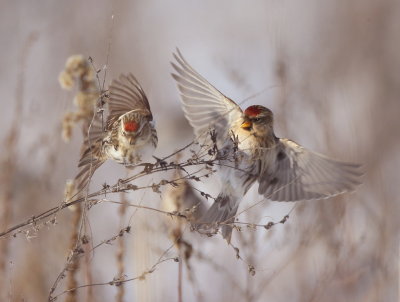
(66, 80)
(89, 75)
(85, 101)
(76, 65)
(67, 126)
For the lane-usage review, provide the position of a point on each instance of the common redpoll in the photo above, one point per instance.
(284, 170)
(128, 134)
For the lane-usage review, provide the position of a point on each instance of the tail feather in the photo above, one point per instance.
(221, 213)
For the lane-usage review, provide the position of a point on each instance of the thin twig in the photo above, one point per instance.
(117, 282)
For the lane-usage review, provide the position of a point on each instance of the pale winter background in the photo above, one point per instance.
(330, 71)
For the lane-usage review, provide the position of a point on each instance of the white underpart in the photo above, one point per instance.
(127, 154)
(234, 173)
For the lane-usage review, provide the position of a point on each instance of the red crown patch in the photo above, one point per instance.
(253, 110)
(131, 126)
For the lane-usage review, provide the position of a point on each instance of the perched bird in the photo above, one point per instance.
(128, 134)
(249, 152)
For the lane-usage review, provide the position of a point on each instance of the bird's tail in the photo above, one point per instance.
(220, 214)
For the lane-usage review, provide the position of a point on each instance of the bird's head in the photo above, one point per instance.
(132, 126)
(258, 120)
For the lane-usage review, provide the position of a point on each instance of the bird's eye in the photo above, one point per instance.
(257, 119)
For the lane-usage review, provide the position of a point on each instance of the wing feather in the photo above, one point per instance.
(91, 156)
(126, 95)
(204, 106)
(299, 174)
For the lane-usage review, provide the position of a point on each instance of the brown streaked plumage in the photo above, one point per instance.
(129, 131)
(284, 170)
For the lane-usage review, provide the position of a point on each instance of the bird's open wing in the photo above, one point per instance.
(126, 95)
(91, 157)
(204, 106)
(299, 174)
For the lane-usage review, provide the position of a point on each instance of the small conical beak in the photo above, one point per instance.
(246, 125)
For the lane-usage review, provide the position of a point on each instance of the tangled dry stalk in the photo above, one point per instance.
(203, 161)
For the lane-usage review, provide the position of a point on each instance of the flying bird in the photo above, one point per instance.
(128, 133)
(250, 152)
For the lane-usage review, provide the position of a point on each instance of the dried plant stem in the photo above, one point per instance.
(5, 215)
(110, 189)
(88, 274)
(6, 201)
(180, 271)
(73, 265)
(120, 265)
(141, 259)
(121, 249)
(8, 164)
(6, 198)
(114, 282)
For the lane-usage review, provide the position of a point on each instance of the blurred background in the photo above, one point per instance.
(330, 71)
